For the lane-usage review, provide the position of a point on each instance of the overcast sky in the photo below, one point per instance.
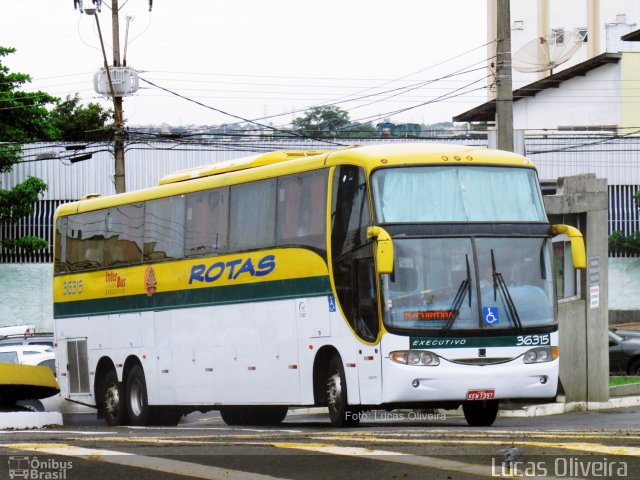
(257, 58)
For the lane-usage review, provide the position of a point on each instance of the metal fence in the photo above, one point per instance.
(615, 158)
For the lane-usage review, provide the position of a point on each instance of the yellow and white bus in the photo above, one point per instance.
(390, 276)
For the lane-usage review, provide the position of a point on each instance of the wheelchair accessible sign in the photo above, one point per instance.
(490, 316)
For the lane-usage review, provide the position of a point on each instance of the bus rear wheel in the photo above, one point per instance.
(136, 397)
(340, 413)
(111, 400)
(480, 413)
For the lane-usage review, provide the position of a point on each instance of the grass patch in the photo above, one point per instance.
(613, 381)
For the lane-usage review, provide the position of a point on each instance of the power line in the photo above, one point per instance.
(233, 115)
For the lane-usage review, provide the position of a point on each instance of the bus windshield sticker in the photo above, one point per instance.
(430, 315)
(332, 303)
(490, 315)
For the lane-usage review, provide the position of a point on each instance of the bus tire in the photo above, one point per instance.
(111, 400)
(262, 415)
(136, 397)
(164, 416)
(234, 415)
(270, 415)
(480, 413)
(340, 413)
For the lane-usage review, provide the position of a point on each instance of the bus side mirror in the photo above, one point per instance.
(383, 249)
(578, 253)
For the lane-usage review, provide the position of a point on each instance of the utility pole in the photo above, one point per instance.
(504, 98)
(118, 133)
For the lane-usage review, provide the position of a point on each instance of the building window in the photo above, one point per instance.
(557, 35)
(582, 33)
(518, 25)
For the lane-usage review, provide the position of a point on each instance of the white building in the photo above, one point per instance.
(596, 88)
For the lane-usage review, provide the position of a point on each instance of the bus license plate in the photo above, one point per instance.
(481, 394)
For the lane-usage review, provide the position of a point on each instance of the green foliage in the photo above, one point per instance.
(23, 115)
(322, 122)
(28, 242)
(627, 244)
(74, 122)
(23, 118)
(18, 201)
(359, 130)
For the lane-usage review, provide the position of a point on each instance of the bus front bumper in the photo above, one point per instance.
(454, 382)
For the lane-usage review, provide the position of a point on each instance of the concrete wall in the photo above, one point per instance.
(27, 295)
(579, 101)
(584, 352)
(624, 284)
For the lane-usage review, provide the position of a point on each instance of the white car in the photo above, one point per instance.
(29, 355)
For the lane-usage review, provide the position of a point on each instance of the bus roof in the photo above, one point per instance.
(278, 163)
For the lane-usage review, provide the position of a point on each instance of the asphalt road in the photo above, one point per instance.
(387, 445)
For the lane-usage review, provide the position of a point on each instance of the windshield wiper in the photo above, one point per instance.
(499, 283)
(463, 290)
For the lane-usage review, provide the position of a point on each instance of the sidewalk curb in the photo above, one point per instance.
(527, 410)
(27, 420)
(558, 408)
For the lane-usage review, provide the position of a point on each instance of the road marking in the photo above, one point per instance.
(582, 447)
(367, 438)
(220, 429)
(394, 457)
(156, 464)
(74, 432)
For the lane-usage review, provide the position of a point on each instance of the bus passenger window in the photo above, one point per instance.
(252, 215)
(85, 240)
(164, 229)
(302, 201)
(207, 222)
(123, 245)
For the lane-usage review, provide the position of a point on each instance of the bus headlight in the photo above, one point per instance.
(540, 355)
(415, 357)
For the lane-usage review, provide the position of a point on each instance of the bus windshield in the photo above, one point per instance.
(457, 194)
(469, 283)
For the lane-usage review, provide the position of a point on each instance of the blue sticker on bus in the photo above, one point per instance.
(490, 316)
(332, 303)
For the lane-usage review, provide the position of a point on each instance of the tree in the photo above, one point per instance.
(74, 122)
(322, 122)
(23, 118)
(359, 130)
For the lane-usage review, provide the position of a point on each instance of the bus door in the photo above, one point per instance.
(354, 274)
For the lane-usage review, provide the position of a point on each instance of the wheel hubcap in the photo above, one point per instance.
(136, 399)
(111, 400)
(334, 390)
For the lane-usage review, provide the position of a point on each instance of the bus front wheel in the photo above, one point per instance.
(136, 396)
(340, 413)
(111, 400)
(480, 413)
